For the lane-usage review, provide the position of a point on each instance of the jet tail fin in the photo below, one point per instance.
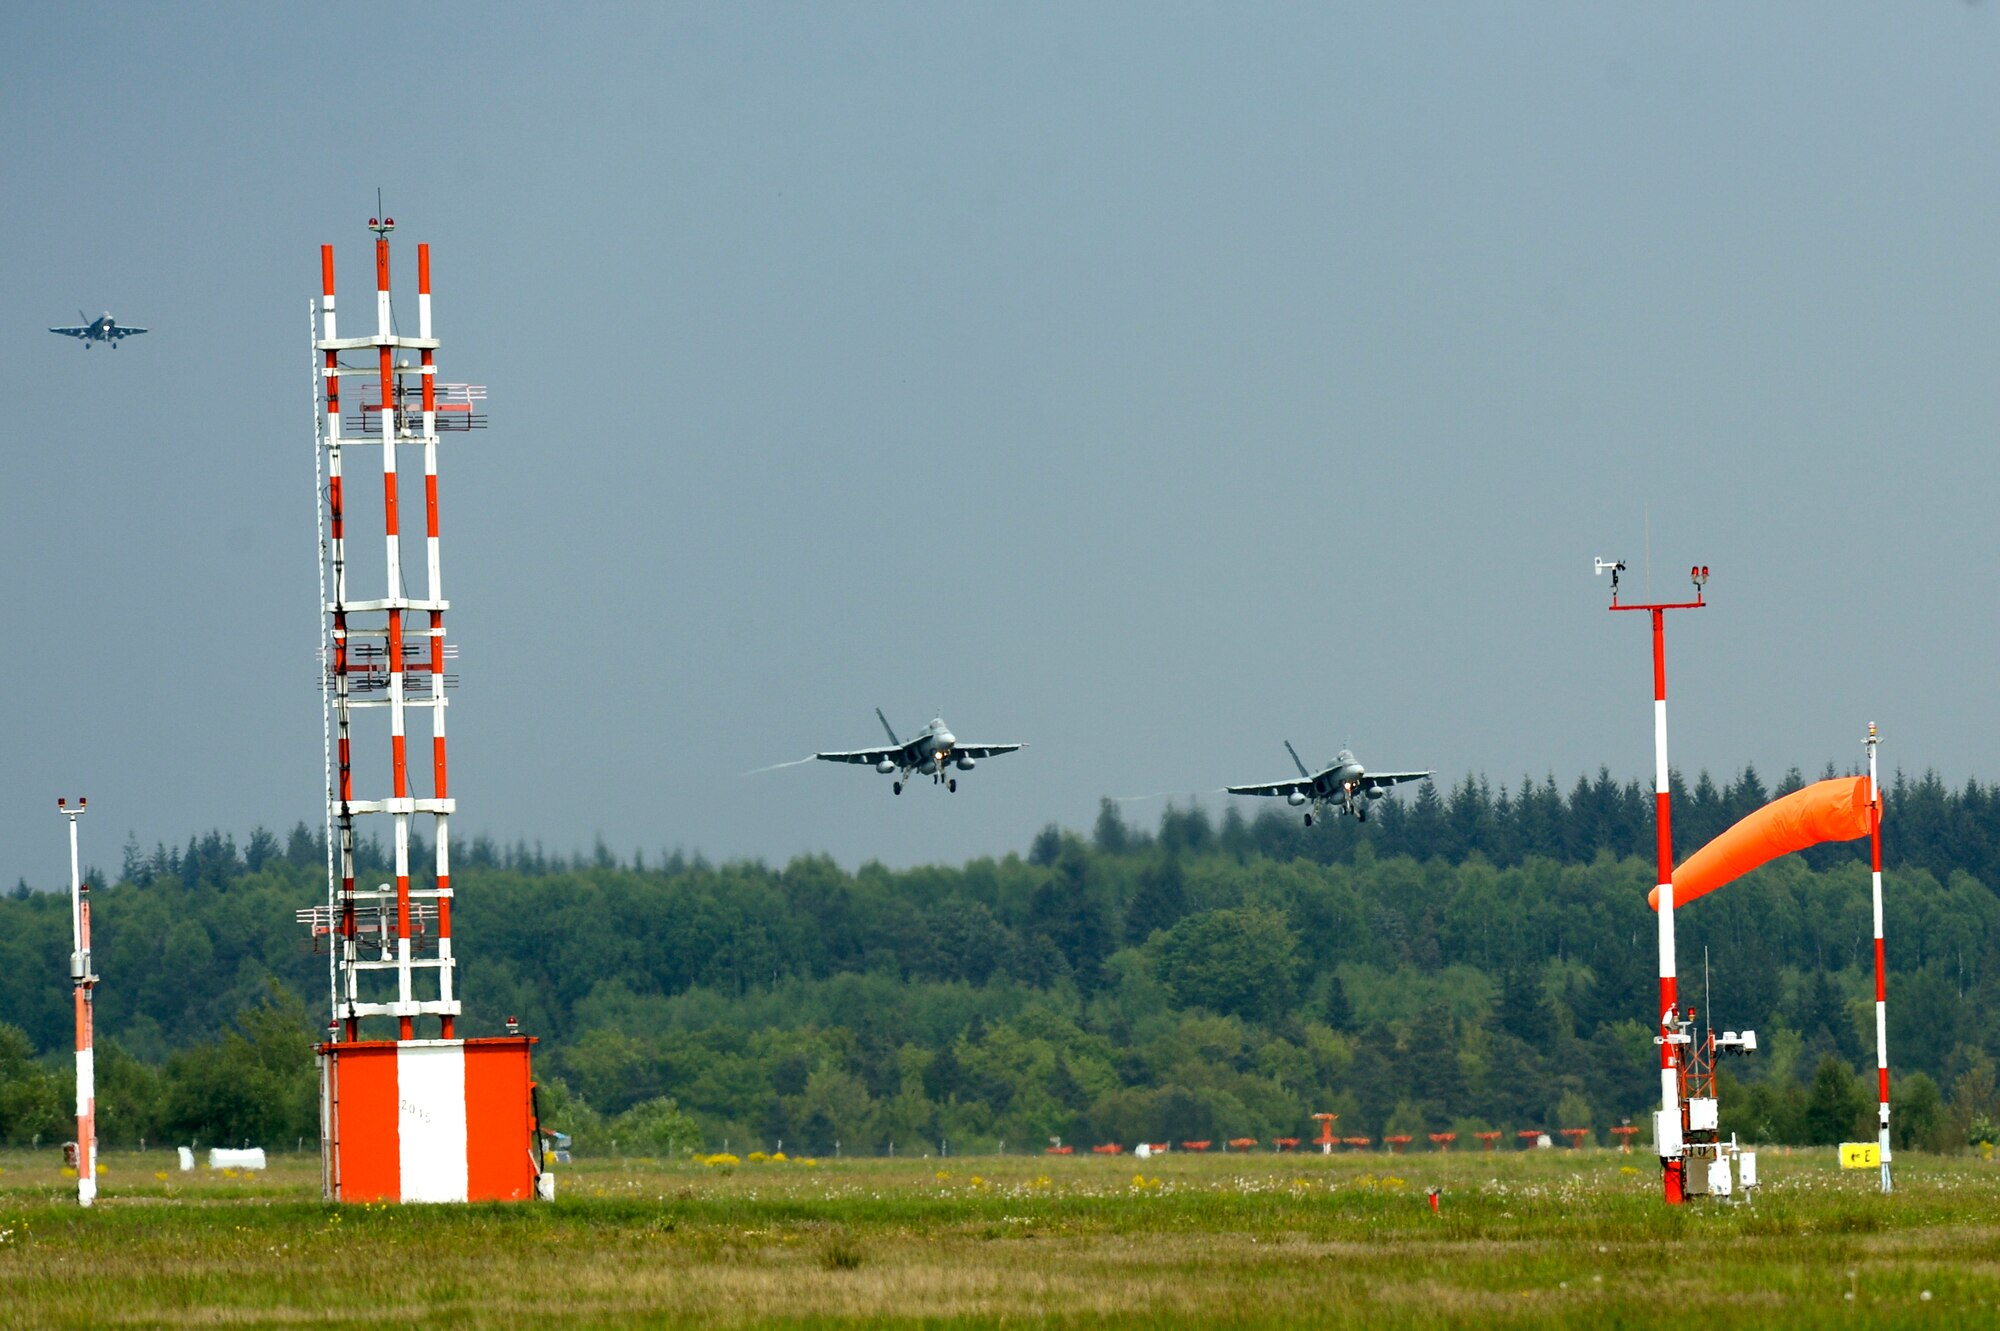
(1295, 761)
(885, 725)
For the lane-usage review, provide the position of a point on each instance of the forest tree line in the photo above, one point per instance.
(1470, 958)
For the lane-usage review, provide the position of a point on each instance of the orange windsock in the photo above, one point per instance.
(1834, 810)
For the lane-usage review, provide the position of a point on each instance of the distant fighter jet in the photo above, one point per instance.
(1337, 784)
(932, 751)
(101, 329)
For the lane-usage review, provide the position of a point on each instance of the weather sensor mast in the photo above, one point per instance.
(1670, 1122)
(410, 1111)
(83, 979)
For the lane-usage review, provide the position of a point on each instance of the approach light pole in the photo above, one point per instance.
(1881, 960)
(1668, 1123)
(83, 979)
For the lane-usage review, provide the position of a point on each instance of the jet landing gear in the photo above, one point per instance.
(896, 786)
(1309, 820)
(951, 784)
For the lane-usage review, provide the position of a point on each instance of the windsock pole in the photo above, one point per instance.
(82, 978)
(1881, 959)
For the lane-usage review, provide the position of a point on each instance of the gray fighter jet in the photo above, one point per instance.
(1345, 784)
(104, 328)
(933, 751)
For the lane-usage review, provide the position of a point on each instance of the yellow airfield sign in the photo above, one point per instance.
(1860, 1155)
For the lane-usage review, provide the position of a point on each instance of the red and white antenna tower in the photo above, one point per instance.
(1669, 1124)
(83, 978)
(1881, 958)
(423, 1115)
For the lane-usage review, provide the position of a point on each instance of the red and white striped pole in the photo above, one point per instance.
(1881, 958)
(83, 979)
(393, 538)
(348, 942)
(1669, 1124)
(440, 787)
(1663, 828)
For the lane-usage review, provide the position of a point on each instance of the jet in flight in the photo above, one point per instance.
(1345, 784)
(933, 751)
(104, 328)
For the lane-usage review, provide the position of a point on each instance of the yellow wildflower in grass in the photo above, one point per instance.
(758, 1158)
(1627, 1170)
(809, 1163)
(721, 1160)
(68, 1172)
(160, 1174)
(943, 1176)
(777, 1157)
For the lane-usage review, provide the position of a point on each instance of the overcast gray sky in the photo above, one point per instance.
(1149, 383)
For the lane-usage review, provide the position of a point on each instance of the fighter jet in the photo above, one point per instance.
(1338, 784)
(104, 328)
(932, 751)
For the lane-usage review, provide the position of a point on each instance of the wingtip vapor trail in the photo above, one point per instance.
(797, 762)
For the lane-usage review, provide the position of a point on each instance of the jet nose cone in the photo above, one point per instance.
(947, 739)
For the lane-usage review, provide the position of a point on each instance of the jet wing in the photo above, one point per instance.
(71, 332)
(122, 331)
(982, 750)
(1389, 778)
(1272, 788)
(869, 756)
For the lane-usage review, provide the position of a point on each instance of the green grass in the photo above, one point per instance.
(1538, 1239)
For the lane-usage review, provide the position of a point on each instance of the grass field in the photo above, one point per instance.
(1536, 1239)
